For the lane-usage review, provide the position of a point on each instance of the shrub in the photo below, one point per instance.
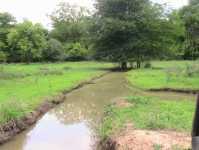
(76, 52)
(54, 52)
(147, 65)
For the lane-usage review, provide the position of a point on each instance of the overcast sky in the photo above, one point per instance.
(37, 10)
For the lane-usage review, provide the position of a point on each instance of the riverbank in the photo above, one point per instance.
(138, 122)
(19, 114)
(161, 107)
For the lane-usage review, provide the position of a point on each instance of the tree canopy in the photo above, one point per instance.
(122, 31)
(127, 30)
(26, 42)
(7, 21)
(190, 15)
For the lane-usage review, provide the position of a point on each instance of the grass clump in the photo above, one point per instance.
(149, 113)
(11, 110)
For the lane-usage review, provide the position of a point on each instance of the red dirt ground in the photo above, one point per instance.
(133, 139)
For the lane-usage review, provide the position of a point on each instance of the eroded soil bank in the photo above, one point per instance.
(134, 139)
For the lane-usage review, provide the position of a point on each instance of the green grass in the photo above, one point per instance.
(23, 87)
(149, 113)
(167, 74)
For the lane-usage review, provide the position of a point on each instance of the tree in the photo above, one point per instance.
(190, 15)
(26, 42)
(126, 30)
(69, 23)
(173, 35)
(7, 21)
(54, 51)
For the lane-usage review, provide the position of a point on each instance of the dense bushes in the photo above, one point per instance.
(26, 42)
(54, 51)
(76, 51)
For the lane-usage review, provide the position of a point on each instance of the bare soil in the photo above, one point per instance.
(133, 139)
(121, 103)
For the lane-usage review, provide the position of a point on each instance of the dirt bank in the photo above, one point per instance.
(14, 127)
(133, 139)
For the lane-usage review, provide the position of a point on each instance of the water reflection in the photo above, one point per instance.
(50, 133)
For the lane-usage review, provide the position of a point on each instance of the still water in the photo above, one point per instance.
(72, 125)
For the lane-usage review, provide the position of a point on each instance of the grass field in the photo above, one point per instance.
(156, 110)
(167, 74)
(23, 87)
(149, 113)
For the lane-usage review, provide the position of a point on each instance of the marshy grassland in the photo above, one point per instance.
(23, 87)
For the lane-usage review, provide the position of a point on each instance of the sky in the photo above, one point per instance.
(37, 10)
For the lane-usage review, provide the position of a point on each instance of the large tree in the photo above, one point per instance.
(69, 23)
(127, 30)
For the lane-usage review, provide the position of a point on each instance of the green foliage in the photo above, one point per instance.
(54, 51)
(7, 21)
(174, 37)
(70, 23)
(128, 29)
(26, 42)
(190, 15)
(3, 56)
(150, 113)
(76, 51)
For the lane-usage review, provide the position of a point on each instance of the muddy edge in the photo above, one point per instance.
(14, 127)
(186, 91)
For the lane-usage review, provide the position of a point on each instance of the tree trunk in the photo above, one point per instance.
(124, 65)
(138, 64)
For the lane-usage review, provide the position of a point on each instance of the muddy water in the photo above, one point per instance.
(71, 126)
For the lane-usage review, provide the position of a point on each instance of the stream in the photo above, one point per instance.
(72, 125)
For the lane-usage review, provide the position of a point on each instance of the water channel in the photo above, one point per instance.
(72, 125)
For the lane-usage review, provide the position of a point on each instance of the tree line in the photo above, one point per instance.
(123, 31)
